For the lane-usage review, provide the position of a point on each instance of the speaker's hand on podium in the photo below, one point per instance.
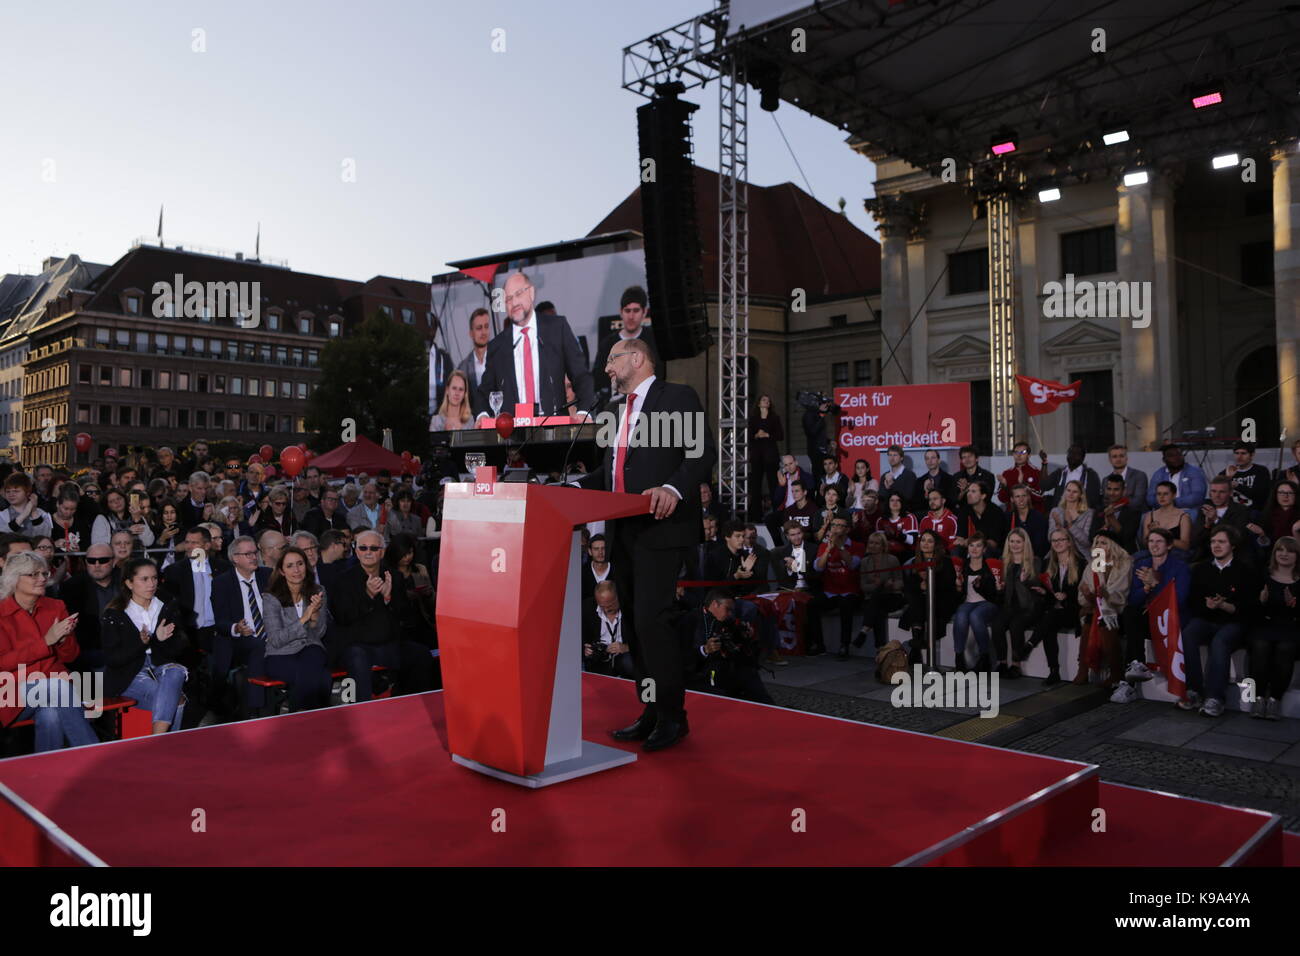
(663, 501)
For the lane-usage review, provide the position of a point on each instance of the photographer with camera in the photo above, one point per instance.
(607, 634)
(726, 650)
(818, 412)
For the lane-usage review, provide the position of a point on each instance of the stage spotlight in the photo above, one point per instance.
(1118, 136)
(1209, 98)
(1226, 160)
(767, 78)
(1136, 178)
(1049, 195)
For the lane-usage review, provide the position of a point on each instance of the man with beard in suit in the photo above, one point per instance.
(528, 360)
(653, 547)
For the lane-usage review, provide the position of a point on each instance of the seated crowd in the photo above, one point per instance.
(196, 587)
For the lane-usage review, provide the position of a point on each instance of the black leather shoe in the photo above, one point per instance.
(642, 728)
(666, 733)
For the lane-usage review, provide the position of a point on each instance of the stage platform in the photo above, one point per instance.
(373, 784)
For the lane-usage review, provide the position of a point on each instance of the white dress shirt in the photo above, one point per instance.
(611, 632)
(243, 596)
(516, 332)
(145, 619)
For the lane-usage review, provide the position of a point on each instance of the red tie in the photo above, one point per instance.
(529, 397)
(620, 452)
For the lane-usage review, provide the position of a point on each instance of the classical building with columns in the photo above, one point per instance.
(1215, 253)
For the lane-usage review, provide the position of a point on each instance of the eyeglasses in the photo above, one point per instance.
(309, 548)
(103, 560)
(516, 296)
(614, 355)
(370, 547)
(243, 554)
(92, 491)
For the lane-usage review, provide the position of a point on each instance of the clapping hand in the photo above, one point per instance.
(387, 588)
(59, 630)
(374, 585)
(165, 630)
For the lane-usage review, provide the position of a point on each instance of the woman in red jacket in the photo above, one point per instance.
(37, 634)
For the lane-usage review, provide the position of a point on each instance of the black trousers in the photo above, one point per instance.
(1053, 621)
(652, 601)
(1015, 620)
(1272, 659)
(875, 614)
(306, 674)
(1135, 627)
(846, 604)
(228, 652)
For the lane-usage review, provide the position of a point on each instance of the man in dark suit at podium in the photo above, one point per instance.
(528, 360)
(652, 548)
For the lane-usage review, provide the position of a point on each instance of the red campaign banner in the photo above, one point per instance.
(789, 608)
(1167, 638)
(912, 416)
(1042, 396)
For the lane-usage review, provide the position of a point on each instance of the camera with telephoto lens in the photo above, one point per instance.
(736, 637)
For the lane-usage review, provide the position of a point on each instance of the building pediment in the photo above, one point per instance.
(1082, 337)
(963, 350)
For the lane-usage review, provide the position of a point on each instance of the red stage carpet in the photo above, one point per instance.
(373, 784)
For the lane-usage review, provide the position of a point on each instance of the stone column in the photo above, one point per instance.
(898, 219)
(1286, 285)
(1142, 392)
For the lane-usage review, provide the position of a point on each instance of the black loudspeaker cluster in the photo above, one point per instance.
(673, 257)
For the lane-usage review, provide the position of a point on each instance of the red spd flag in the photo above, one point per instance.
(1167, 638)
(1042, 396)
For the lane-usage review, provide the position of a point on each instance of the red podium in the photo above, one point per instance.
(509, 632)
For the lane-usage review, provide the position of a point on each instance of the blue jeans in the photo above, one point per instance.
(1222, 639)
(975, 617)
(59, 714)
(158, 690)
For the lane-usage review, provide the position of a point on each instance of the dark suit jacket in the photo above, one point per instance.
(124, 651)
(227, 602)
(558, 351)
(651, 467)
(721, 565)
(361, 619)
(79, 595)
(178, 583)
(1054, 487)
(599, 379)
(592, 628)
(316, 522)
(776, 559)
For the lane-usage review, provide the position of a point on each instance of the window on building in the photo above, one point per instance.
(164, 378)
(101, 337)
(249, 351)
(218, 419)
(254, 386)
(124, 377)
(286, 389)
(268, 388)
(164, 418)
(83, 414)
(254, 421)
(200, 418)
(214, 348)
(168, 307)
(133, 305)
(408, 316)
(334, 330)
(839, 375)
(124, 415)
(313, 357)
(145, 417)
(182, 418)
(302, 389)
(106, 375)
(968, 271)
(159, 344)
(219, 384)
(236, 385)
(232, 351)
(264, 354)
(1257, 264)
(304, 326)
(122, 339)
(183, 381)
(268, 422)
(286, 423)
(273, 321)
(387, 310)
(1092, 423)
(864, 372)
(106, 414)
(1088, 252)
(281, 355)
(84, 373)
(142, 341)
(295, 358)
(201, 383)
(146, 378)
(199, 346)
(179, 343)
(236, 421)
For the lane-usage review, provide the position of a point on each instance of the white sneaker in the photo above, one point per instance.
(1125, 693)
(1137, 671)
(1213, 707)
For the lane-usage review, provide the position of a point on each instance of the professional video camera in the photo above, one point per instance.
(810, 399)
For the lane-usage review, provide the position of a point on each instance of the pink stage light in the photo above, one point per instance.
(1001, 149)
(1206, 99)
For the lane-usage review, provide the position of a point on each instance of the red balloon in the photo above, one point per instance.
(266, 451)
(292, 460)
(82, 442)
(254, 459)
(302, 446)
(505, 424)
(270, 471)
